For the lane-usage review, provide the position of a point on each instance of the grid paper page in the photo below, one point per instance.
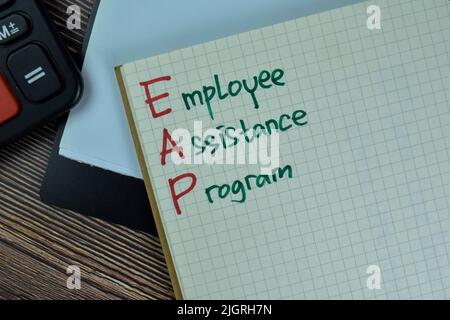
(371, 168)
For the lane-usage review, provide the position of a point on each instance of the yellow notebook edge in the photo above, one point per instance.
(148, 186)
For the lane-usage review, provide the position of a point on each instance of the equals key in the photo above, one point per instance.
(34, 73)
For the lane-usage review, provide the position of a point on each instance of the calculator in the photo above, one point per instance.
(38, 78)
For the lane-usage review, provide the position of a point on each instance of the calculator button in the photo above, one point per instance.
(12, 27)
(4, 3)
(34, 73)
(9, 106)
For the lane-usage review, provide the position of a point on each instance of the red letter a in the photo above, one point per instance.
(165, 151)
(151, 100)
(176, 197)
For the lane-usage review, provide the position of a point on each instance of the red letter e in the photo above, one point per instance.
(151, 100)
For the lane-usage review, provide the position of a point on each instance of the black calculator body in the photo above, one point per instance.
(38, 78)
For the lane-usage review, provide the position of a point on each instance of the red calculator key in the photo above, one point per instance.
(9, 106)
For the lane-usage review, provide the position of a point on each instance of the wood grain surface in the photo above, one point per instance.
(38, 242)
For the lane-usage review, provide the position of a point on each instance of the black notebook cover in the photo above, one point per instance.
(96, 192)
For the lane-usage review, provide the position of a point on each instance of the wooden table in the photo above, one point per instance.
(38, 242)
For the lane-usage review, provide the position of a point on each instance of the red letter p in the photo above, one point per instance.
(176, 197)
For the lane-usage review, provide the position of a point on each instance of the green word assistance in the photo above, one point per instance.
(230, 136)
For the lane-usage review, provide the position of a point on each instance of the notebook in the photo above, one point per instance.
(93, 168)
(338, 186)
